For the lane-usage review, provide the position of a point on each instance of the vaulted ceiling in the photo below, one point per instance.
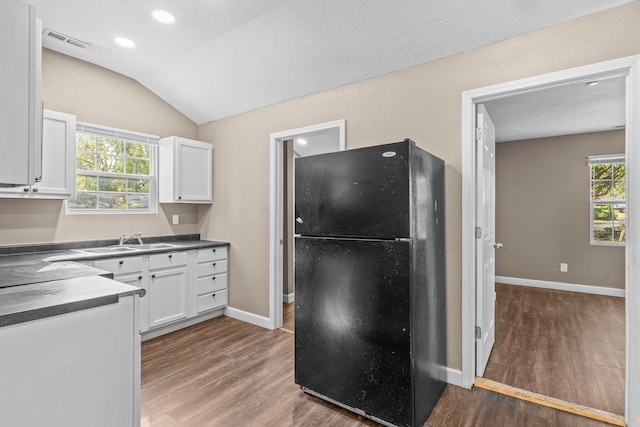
(224, 57)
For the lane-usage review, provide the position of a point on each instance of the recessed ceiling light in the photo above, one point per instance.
(163, 16)
(301, 141)
(124, 42)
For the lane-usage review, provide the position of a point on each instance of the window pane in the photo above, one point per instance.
(138, 201)
(137, 166)
(112, 184)
(86, 160)
(108, 163)
(110, 146)
(138, 150)
(138, 186)
(84, 201)
(602, 213)
(619, 190)
(86, 183)
(619, 217)
(112, 201)
(601, 171)
(85, 142)
(601, 190)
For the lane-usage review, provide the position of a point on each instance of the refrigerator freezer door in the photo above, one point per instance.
(354, 193)
(352, 320)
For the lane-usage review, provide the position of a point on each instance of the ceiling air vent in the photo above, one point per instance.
(59, 36)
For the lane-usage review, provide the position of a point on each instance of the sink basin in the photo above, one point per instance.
(107, 250)
(136, 246)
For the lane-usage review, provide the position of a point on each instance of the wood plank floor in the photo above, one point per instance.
(288, 316)
(566, 345)
(224, 372)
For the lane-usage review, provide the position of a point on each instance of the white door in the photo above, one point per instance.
(485, 238)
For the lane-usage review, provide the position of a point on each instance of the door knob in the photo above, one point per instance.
(497, 245)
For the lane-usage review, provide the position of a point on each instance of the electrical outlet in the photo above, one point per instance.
(176, 219)
(564, 267)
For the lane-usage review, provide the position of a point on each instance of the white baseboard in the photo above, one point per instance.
(287, 298)
(245, 316)
(560, 286)
(453, 376)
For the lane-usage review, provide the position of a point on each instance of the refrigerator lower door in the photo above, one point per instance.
(352, 320)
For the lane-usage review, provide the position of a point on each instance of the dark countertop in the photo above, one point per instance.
(20, 304)
(42, 280)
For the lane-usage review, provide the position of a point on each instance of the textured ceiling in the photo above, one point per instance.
(561, 110)
(225, 57)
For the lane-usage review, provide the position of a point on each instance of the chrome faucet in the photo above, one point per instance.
(137, 235)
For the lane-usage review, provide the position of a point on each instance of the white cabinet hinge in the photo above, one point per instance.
(478, 332)
(478, 134)
(478, 232)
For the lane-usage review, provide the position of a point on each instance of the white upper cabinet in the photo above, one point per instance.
(20, 107)
(185, 173)
(58, 161)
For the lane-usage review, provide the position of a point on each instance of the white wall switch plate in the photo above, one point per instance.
(564, 267)
(176, 219)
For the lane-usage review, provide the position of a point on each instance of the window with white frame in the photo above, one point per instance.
(115, 171)
(608, 199)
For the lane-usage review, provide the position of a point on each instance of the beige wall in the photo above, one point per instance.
(97, 95)
(423, 103)
(542, 211)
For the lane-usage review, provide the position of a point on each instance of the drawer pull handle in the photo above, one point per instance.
(214, 250)
(121, 262)
(214, 277)
(153, 276)
(213, 295)
(139, 277)
(170, 256)
(214, 264)
(25, 189)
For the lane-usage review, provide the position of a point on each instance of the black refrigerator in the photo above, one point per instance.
(370, 331)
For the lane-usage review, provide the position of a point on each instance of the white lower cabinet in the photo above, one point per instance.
(179, 285)
(132, 271)
(167, 296)
(211, 284)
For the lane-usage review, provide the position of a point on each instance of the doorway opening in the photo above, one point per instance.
(472, 282)
(285, 146)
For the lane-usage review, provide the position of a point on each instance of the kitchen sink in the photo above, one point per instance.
(136, 246)
(107, 250)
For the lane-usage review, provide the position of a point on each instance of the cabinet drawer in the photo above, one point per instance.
(172, 259)
(212, 267)
(209, 301)
(213, 283)
(211, 254)
(122, 265)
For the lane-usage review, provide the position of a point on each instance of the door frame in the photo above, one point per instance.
(629, 67)
(276, 210)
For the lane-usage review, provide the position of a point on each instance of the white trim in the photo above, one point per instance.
(156, 332)
(621, 67)
(276, 210)
(287, 298)
(451, 376)
(561, 286)
(245, 316)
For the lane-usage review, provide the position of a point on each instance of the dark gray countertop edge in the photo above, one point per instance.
(55, 310)
(17, 304)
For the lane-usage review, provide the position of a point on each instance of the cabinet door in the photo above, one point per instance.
(58, 163)
(58, 156)
(20, 108)
(167, 296)
(194, 171)
(141, 280)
